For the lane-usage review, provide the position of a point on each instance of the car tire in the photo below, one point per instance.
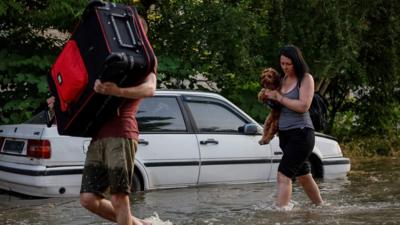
(136, 184)
(317, 169)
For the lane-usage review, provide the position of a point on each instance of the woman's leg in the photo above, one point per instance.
(284, 193)
(311, 188)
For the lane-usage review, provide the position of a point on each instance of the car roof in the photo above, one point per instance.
(176, 92)
(199, 93)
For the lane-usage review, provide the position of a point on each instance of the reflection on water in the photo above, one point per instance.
(370, 195)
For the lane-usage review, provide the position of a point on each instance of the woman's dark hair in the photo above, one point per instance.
(299, 64)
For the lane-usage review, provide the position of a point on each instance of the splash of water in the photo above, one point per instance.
(288, 207)
(155, 220)
(273, 207)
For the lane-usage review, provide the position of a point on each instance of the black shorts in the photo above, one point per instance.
(297, 145)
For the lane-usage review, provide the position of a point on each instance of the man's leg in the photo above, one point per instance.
(311, 188)
(122, 209)
(98, 205)
(105, 208)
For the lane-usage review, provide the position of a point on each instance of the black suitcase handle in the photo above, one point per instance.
(120, 59)
(125, 18)
(114, 17)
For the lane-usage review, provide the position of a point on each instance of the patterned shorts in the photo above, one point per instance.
(109, 164)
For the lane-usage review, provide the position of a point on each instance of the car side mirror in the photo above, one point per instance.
(249, 129)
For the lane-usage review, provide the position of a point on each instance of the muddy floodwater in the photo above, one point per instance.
(369, 195)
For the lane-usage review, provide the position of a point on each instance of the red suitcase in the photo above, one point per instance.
(109, 44)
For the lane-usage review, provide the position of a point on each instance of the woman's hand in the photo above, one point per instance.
(274, 95)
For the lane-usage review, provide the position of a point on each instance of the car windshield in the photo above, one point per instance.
(39, 118)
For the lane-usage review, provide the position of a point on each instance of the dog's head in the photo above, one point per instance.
(270, 79)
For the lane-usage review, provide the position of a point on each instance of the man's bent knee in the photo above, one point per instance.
(89, 201)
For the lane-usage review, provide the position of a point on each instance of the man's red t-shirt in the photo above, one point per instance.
(123, 124)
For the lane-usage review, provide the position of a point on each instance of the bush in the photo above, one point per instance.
(376, 145)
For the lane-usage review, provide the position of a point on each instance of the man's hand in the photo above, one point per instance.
(106, 88)
(50, 102)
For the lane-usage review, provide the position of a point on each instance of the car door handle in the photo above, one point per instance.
(209, 141)
(278, 153)
(143, 142)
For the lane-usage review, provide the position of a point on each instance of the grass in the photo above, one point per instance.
(374, 146)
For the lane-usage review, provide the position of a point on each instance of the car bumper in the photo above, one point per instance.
(337, 167)
(41, 181)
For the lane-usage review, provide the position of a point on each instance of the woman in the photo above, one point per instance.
(296, 131)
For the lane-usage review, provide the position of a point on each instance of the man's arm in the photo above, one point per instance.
(145, 89)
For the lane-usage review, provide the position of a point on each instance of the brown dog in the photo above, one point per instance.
(270, 80)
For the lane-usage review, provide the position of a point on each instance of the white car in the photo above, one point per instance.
(187, 138)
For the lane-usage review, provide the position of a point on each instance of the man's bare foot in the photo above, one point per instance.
(137, 221)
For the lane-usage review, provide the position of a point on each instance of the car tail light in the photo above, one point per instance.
(39, 149)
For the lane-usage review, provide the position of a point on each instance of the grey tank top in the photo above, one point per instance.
(290, 119)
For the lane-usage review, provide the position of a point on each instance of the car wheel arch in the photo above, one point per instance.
(137, 184)
(317, 169)
(140, 173)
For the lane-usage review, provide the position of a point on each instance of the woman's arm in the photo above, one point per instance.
(302, 104)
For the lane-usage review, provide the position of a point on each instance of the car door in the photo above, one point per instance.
(276, 157)
(227, 155)
(167, 147)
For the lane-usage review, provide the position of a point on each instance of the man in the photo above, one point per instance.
(110, 158)
(111, 155)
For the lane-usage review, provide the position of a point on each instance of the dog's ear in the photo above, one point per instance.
(277, 80)
(262, 78)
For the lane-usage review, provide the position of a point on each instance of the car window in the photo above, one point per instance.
(215, 117)
(39, 118)
(160, 114)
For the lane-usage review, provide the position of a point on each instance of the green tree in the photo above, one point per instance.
(376, 106)
(222, 41)
(28, 49)
(32, 34)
